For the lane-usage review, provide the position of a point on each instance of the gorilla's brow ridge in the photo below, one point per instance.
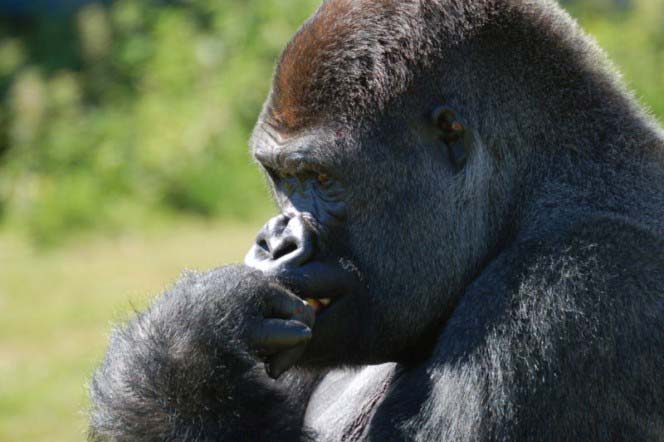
(291, 155)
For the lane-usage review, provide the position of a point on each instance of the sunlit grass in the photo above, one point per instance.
(56, 308)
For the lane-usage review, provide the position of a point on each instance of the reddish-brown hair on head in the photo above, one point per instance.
(354, 56)
(351, 55)
(302, 61)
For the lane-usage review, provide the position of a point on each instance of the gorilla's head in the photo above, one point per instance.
(395, 139)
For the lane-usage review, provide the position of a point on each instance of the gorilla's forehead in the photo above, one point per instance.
(354, 57)
(351, 56)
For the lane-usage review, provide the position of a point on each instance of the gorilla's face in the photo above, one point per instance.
(371, 231)
(386, 199)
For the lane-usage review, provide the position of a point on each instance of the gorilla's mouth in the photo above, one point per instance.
(321, 283)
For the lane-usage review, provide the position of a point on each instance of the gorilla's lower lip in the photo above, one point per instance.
(320, 281)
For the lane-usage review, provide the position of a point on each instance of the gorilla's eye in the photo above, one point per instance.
(323, 179)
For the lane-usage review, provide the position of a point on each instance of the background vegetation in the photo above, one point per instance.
(136, 108)
(123, 133)
(121, 112)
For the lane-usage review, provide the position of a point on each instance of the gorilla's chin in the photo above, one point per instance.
(343, 335)
(353, 331)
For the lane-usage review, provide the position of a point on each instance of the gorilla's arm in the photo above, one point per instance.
(184, 369)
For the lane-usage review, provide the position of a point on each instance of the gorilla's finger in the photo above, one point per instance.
(276, 335)
(287, 306)
(320, 279)
(281, 362)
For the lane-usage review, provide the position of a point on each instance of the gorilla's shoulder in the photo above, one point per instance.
(612, 248)
(602, 245)
(599, 282)
(590, 297)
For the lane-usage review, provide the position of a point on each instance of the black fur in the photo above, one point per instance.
(165, 377)
(519, 296)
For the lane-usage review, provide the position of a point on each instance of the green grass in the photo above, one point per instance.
(57, 308)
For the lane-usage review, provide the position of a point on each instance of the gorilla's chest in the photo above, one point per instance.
(343, 404)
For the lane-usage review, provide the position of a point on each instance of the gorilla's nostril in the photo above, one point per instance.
(283, 249)
(263, 245)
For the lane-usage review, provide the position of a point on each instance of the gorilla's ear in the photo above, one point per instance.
(454, 133)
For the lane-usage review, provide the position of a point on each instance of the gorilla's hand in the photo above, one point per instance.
(269, 321)
(187, 367)
(278, 326)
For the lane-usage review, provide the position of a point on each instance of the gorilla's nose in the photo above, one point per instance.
(283, 242)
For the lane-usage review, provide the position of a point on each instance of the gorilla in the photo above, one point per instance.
(469, 247)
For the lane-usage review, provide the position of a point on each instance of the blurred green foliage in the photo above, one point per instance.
(137, 108)
(145, 107)
(633, 36)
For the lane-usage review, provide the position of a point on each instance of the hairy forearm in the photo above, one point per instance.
(178, 371)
